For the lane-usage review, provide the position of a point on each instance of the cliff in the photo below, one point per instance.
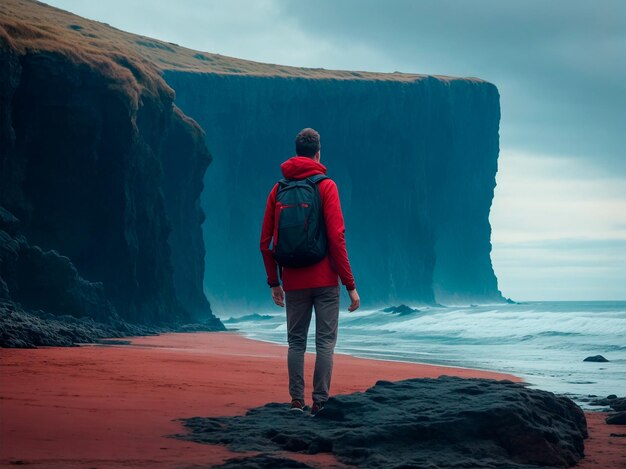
(415, 161)
(103, 171)
(100, 178)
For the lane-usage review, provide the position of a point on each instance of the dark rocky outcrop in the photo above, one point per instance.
(444, 422)
(616, 419)
(401, 310)
(248, 317)
(76, 310)
(596, 358)
(100, 179)
(415, 160)
(40, 279)
(614, 402)
(262, 461)
(21, 329)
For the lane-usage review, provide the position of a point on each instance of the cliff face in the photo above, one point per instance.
(415, 162)
(104, 173)
(185, 159)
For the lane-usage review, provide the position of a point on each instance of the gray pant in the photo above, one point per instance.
(299, 304)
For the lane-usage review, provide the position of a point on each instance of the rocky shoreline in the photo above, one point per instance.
(420, 422)
(31, 329)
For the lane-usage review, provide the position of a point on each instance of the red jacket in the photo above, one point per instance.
(325, 272)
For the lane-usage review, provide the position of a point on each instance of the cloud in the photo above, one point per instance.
(560, 66)
(559, 229)
(547, 197)
(562, 270)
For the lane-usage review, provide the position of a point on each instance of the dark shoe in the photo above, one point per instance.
(316, 407)
(297, 405)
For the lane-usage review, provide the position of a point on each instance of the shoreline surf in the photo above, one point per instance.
(540, 341)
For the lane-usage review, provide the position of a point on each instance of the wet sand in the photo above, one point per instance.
(111, 406)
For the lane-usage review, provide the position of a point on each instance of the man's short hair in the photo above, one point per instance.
(307, 142)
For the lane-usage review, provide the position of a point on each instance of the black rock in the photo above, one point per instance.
(39, 279)
(30, 329)
(616, 403)
(248, 317)
(611, 396)
(401, 310)
(616, 419)
(209, 325)
(422, 422)
(113, 342)
(262, 461)
(596, 358)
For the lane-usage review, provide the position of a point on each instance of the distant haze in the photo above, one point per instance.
(559, 213)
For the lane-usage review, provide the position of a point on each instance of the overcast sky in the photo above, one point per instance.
(559, 214)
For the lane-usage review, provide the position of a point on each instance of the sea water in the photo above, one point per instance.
(544, 343)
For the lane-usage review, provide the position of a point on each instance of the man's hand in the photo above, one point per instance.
(278, 295)
(356, 301)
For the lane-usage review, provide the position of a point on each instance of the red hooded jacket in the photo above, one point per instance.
(325, 272)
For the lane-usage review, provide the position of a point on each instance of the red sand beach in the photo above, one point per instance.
(111, 406)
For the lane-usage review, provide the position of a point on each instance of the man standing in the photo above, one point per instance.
(313, 285)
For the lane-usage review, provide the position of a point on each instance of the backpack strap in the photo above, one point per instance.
(314, 179)
(317, 178)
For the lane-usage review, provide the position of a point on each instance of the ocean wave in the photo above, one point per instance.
(498, 323)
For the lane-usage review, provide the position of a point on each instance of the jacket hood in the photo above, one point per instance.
(299, 167)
